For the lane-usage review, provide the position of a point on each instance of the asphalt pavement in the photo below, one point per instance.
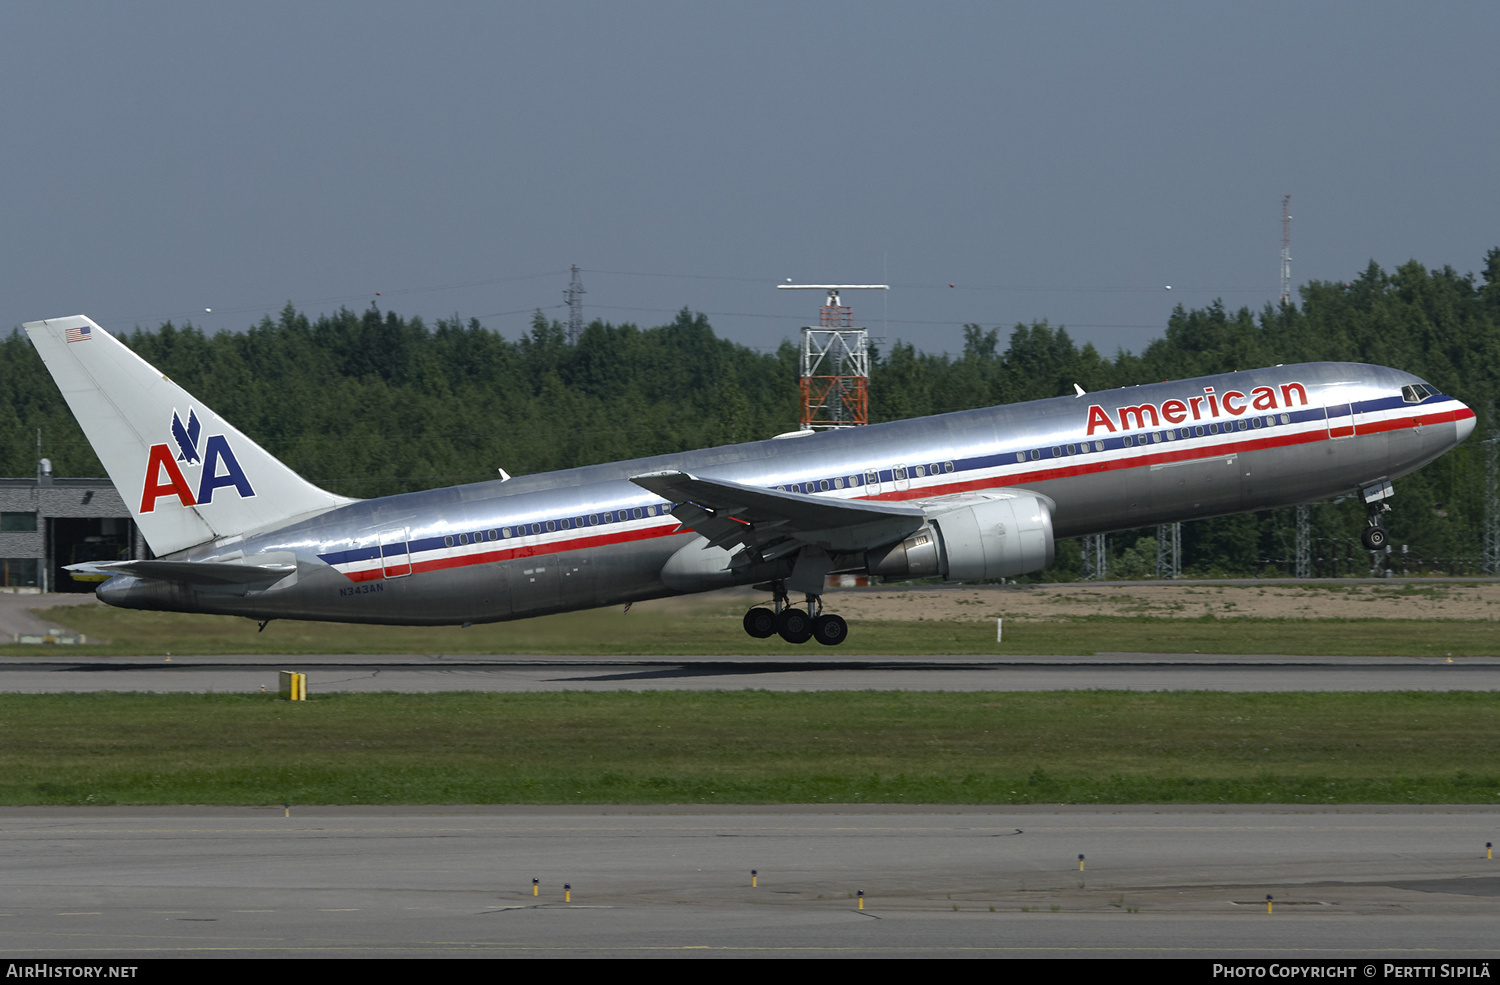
(1350, 882)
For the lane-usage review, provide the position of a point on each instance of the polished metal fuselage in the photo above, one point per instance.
(588, 537)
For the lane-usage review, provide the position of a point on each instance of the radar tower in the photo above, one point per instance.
(835, 362)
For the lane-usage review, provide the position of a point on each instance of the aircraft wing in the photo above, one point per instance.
(770, 523)
(191, 572)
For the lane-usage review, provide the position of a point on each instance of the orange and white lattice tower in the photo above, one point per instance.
(835, 362)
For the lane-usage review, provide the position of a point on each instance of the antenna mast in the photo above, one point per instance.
(1286, 250)
(574, 294)
(1491, 564)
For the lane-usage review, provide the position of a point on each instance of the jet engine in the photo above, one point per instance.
(990, 538)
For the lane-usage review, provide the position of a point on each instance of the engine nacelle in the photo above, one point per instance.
(991, 538)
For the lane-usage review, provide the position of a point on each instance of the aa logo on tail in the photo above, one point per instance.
(219, 468)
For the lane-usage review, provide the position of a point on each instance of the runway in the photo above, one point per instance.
(1357, 883)
(1363, 883)
(816, 671)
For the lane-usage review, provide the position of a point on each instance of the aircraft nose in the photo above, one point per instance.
(1465, 423)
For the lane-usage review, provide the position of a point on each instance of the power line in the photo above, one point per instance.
(523, 311)
(638, 273)
(348, 298)
(751, 314)
(936, 286)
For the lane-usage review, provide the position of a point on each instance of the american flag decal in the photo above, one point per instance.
(80, 334)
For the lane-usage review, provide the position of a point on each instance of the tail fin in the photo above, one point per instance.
(187, 475)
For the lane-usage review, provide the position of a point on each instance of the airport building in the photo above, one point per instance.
(47, 523)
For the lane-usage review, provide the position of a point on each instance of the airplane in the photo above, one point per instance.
(969, 496)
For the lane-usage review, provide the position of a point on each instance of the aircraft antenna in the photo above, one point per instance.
(1286, 250)
(574, 294)
(835, 362)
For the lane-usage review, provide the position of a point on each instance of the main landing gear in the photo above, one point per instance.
(795, 625)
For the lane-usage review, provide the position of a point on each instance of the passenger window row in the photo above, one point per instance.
(550, 526)
(870, 478)
(1156, 437)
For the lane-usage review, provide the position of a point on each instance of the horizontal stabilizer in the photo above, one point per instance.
(191, 572)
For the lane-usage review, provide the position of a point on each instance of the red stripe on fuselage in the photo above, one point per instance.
(525, 550)
(1079, 465)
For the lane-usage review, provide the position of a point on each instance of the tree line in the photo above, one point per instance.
(370, 403)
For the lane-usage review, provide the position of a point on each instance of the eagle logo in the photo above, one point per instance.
(186, 437)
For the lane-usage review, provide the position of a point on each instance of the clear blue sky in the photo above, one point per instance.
(1064, 161)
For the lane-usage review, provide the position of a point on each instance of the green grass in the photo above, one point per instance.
(755, 747)
(751, 747)
(716, 631)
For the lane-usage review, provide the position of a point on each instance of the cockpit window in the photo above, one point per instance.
(1415, 393)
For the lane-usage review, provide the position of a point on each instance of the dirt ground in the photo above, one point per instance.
(16, 614)
(1425, 599)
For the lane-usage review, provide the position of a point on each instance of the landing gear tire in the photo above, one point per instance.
(1374, 538)
(794, 625)
(760, 623)
(830, 630)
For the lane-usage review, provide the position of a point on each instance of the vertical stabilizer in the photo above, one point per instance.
(187, 475)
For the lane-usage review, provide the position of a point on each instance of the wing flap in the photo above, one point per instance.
(772, 522)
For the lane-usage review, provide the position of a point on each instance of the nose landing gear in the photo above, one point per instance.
(1374, 536)
(796, 625)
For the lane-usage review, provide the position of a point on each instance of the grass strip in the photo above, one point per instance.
(609, 632)
(751, 747)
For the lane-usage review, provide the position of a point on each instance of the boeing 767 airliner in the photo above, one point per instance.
(968, 496)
